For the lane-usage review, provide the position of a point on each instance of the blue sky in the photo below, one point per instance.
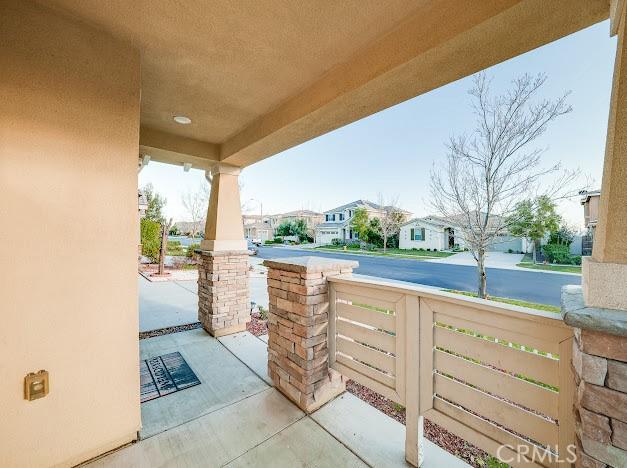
(392, 152)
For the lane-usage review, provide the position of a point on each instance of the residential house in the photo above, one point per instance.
(337, 221)
(436, 233)
(590, 201)
(142, 204)
(312, 219)
(257, 227)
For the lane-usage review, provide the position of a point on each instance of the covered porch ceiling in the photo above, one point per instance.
(258, 77)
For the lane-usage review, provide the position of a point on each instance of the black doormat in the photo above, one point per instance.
(162, 375)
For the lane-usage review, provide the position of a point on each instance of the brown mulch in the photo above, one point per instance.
(257, 326)
(168, 330)
(436, 434)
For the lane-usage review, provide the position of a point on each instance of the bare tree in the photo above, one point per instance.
(163, 250)
(195, 203)
(486, 174)
(390, 220)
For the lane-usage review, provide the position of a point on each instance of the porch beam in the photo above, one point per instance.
(178, 150)
(437, 45)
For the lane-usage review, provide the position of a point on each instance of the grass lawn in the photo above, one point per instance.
(505, 300)
(527, 262)
(398, 253)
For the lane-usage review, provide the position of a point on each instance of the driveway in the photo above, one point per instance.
(493, 260)
(526, 285)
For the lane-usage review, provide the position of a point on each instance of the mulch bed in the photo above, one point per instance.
(168, 330)
(436, 434)
(257, 326)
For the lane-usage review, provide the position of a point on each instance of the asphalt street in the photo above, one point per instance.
(533, 286)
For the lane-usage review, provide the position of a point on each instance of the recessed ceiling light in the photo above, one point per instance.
(181, 119)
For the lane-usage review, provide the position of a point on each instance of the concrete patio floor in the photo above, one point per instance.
(235, 418)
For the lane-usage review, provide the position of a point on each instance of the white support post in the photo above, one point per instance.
(414, 423)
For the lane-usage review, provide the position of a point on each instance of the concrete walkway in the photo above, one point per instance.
(169, 303)
(235, 419)
(166, 304)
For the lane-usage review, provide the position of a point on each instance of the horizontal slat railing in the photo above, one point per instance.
(499, 376)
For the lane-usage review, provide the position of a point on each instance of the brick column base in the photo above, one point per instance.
(298, 357)
(600, 369)
(223, 293)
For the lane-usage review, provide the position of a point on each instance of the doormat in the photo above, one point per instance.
(162, 375)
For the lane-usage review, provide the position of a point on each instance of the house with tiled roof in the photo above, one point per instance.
(440, 233)
(337, 221)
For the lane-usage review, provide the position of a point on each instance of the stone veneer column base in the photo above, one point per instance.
(298, 356)
(223, 292)
(600, 368)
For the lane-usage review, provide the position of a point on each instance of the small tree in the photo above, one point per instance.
(360, 223)
(155, 201)
(373, 233)
(390, 220)
(565, 235)
(484, 176)
(150, 239)
(195, 203)
(286, 228)
(300, 229)
(533, 219)
(165, 228)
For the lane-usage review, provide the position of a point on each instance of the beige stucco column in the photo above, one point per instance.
(598, 314)
(224, 229)
(223, 292)
(605, 273)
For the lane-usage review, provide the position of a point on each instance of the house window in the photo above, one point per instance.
(341, 216)
(417, 234)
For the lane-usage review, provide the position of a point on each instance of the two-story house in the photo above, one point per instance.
(312, 219)
(590, 201)
(337, 221)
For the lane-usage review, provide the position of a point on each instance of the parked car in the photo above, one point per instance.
(252, 247)
(257, 242)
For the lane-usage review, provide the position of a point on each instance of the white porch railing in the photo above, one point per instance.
(499, 376)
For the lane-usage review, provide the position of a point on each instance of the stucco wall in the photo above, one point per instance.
(434, 237)
(69, 132)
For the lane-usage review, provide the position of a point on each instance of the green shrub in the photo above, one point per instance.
(175, 248)
(263, 313)
(337, 242)
(354, 246)
(190, 250)
(559, 253)
(150, 238)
